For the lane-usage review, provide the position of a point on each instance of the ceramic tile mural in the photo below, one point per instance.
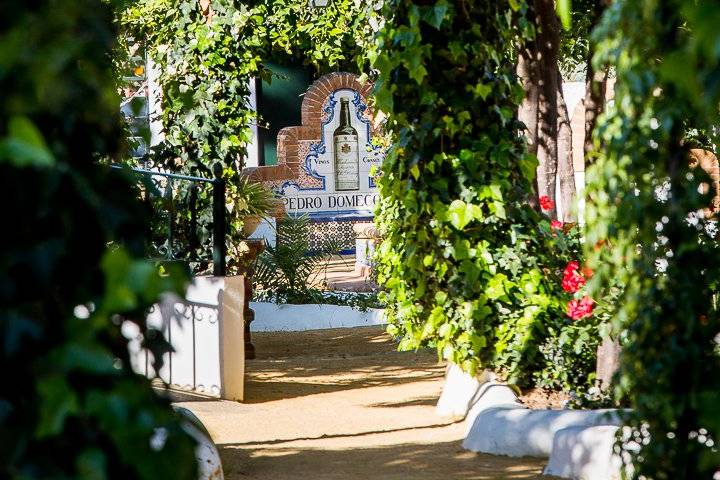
(332, 154)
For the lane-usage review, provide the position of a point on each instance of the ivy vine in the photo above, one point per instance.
(70, 404)
(468, 266)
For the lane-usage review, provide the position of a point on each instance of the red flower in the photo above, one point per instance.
(546, 204)
(556, 225)
(578, 309)
(572, 278)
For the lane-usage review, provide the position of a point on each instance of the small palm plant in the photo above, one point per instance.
(290, 271)
(253, 201)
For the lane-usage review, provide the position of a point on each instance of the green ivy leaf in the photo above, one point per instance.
(437, 14)
(415, 171)
(58, 401)
(25, 146)
(564, 11)
(496, 287)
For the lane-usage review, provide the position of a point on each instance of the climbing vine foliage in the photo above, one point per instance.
(208, 52)
(469, 268)
(647, 230)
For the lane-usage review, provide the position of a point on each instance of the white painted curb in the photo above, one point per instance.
(206, 453)
(272, 317)
(459, 391)
(491, 395)
(517, 432)
(585, 453)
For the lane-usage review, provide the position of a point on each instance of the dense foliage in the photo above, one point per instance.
(470, 268)
(646, 231)
(70, 406)
(208, 52)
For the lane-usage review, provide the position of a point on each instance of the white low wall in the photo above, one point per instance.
(585, 453)
(460, 391)
(519, 432)
(206, 452)
(271, 317)
(205, 330)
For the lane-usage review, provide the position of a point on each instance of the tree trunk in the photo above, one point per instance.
(595, 88)
(548, 41)
(528, 73)
(566, 171)
(608, 360)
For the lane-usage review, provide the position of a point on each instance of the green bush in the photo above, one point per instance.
(70, 406)
(469, 268)
(289, 272)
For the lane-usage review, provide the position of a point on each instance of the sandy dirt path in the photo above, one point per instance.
(343, 404)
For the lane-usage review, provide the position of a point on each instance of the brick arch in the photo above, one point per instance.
(577, 126)
(311, 113)
(322, 88)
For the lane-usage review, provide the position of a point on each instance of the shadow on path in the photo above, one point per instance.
(339, 435)
(405, 461)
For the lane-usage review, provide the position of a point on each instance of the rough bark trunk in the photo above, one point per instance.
(548, 41)
(527, 71)
(595, 88)
(566, 172)
(528, 74)
(608, 360)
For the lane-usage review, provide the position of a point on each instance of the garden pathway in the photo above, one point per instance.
(343, 404)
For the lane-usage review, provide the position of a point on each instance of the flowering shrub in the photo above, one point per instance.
(549, 339)
(572, 278)
(546, 203)
(467, 266)
(575, 322)
(579, 309)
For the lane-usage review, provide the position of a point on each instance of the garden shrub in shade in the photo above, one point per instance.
(70, 406)
(642, 213)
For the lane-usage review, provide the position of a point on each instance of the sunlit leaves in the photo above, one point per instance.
(564, 10)
(460, 255)
(67, 361)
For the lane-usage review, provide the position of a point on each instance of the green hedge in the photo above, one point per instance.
(642, 209)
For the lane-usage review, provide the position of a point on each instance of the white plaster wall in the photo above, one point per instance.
(266, 230)
(271, 317)
(176, 317)
(574, 93)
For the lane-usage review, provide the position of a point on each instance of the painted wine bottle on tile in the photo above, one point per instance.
(347, 162)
